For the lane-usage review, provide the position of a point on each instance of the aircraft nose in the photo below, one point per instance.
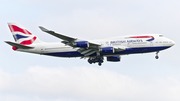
(172, 43)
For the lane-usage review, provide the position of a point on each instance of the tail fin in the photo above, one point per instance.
(22, 35)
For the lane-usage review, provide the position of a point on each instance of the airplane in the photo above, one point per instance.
(94, 50)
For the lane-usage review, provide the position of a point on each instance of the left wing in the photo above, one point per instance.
(86, 48)
(63, 37)
(68, 40)
(86, 51)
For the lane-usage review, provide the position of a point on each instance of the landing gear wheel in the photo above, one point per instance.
(99, 64)
(97, 59)
(157, 57)
(90, 61)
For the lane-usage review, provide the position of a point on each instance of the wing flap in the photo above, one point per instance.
(90, 53)
(81, 50)
(86, 51)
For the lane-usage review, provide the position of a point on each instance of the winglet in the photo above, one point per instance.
(46, 30)
(43, 29)
(61, 36)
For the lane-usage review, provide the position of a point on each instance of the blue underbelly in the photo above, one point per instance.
(127, 51)
(142, 50)
(65, 54)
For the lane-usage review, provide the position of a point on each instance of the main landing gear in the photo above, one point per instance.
(157, 57)
(96, 59)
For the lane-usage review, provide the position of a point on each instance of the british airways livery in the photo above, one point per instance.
(95, 50)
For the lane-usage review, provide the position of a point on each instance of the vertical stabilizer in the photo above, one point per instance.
(22, 35)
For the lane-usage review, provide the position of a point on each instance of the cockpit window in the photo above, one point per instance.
(160, 35)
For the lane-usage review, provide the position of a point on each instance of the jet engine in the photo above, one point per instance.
(82, 44)
(107, 50)
(114, 58)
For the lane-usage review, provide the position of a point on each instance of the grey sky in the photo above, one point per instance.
(27, 77)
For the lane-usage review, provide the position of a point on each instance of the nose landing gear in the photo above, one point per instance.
(157, 57)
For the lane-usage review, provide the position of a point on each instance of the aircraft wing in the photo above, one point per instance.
(63, 37)
(68, 40)
(93, 47)
(18, 45)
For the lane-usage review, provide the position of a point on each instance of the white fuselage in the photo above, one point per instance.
(130, 44)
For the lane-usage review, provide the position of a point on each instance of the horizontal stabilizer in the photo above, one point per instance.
(18, 45)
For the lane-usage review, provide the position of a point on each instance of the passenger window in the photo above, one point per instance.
(160, 35)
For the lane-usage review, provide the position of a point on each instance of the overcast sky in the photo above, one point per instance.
(140, 77)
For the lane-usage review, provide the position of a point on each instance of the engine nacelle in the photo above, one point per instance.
(114, 58)
(107, 50)
(82, 44)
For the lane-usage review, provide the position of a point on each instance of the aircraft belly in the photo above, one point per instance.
(127, 51)
(65, 54)
(58, 49)
(62, 52)
(142, 50)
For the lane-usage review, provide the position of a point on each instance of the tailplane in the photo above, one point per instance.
(16, 45)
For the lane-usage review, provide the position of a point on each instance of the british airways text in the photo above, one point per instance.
(125, 41)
